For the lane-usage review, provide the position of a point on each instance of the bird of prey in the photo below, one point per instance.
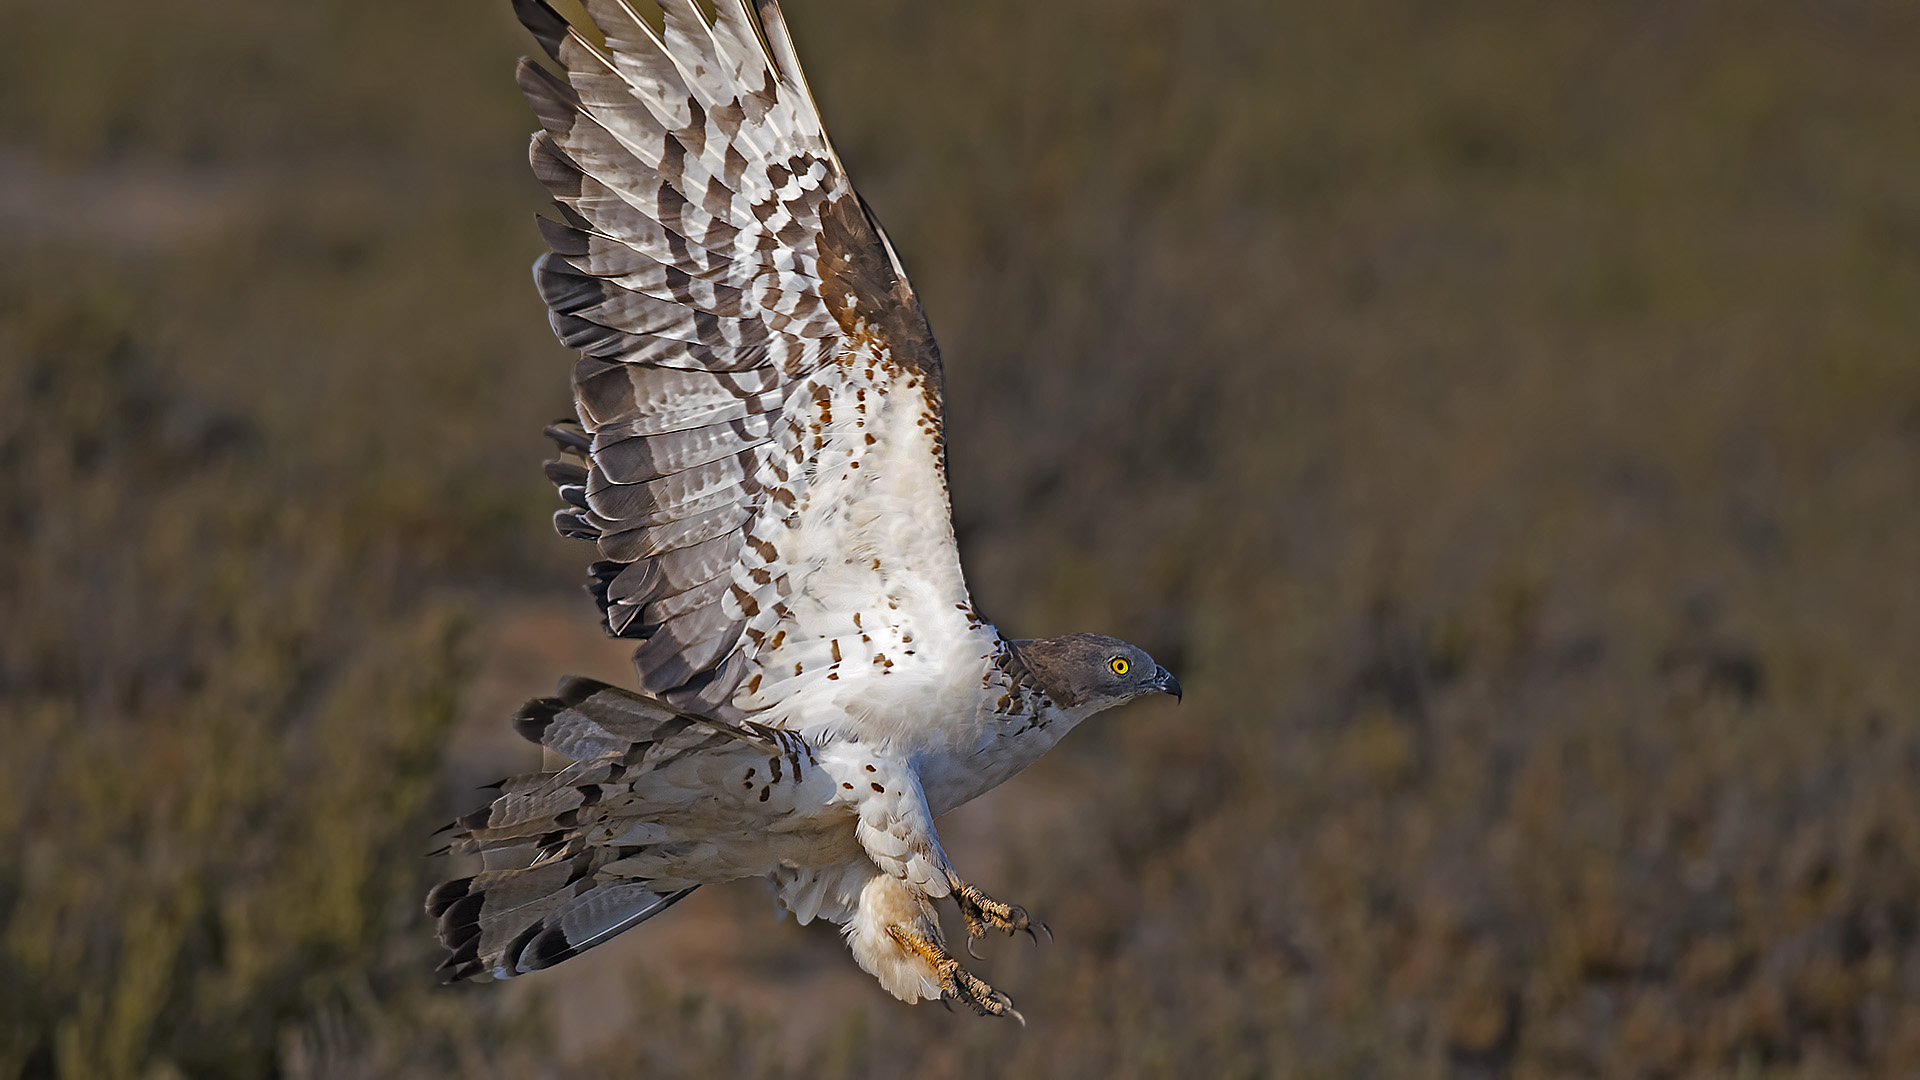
(758, 457)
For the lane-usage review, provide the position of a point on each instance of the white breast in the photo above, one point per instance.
(876, 631)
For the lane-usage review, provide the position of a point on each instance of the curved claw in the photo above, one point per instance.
(983, 912)
(956, 983)
(971, 938)
(984, 1000)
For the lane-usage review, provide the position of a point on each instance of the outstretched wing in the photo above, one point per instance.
(758, 454)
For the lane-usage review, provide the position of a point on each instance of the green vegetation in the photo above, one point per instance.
(1505, 418)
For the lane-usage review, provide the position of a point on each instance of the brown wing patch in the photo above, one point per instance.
(873, 304)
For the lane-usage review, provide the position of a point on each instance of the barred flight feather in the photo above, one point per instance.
(715, 269)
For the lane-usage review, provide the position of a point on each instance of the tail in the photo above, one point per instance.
(509, 922)
(562, 839)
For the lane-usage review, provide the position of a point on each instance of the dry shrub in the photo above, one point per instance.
(1504, 419)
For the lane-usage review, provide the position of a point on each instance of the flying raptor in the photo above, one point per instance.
(758, 457)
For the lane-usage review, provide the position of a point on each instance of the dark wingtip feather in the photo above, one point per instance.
(574, 689)
(570, 435)
(445, 894)
(510, 957)
(545, 949)
(565, 289)
(532, 719)
(465, 971)
(568, 215)
(545, 24)
(468, 953)
(460, 923)
(553, 99)
(562, 238)
(571, 481)
(573, 525)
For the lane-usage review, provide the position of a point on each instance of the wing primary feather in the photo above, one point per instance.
(569, 434)
(736, 308)
(780, 44)
(546, 25)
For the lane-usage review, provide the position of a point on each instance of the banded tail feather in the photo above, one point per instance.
(509, 922)
(580, 832)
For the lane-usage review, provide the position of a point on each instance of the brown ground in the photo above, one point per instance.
(1505, 419)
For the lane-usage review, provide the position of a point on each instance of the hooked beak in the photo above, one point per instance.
(1164, 682)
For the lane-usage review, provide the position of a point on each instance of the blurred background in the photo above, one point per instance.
(1504, 417)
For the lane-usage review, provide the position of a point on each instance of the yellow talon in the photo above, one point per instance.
(956, 982)
(983, 912)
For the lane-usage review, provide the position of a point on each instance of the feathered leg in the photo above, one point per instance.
(895, 829)
(895, 938)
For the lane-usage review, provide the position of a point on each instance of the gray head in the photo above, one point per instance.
(1093, 669)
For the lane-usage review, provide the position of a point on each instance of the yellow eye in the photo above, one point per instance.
(1119, 665)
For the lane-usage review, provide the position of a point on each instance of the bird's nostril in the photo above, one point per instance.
(1164, 682)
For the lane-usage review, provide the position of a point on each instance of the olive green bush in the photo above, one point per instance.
(1505, 419)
